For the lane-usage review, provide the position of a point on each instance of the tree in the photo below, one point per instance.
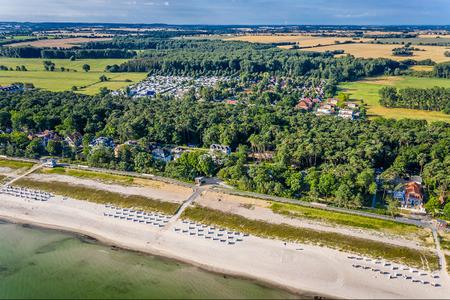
(392, 206)
(433, 206)
(103, 78)
(446, 211)
(49, 65)
(34, 149)
(86, 67)
(343, 195)
(53, 148)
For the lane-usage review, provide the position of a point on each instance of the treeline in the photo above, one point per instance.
(50, 53)
(87, 53)
(328, 158)
(437, 98)
(442, 70)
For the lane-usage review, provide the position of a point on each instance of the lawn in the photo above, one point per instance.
(100, 196)
(15, 164)
(338, 218)
(367, 90)
(104, 177)
(285, 232)
(62, 81)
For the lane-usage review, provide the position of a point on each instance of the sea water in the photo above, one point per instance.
(41, 263)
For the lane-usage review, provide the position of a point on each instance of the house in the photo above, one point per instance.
(352, 105)
(127, 143)
(328, 106)
(220, 148)
(102, 141)
(333, 101)
(177, 152)
(346, 114)
(324, 111)
(46, 136)
(305, 104)
(410, 196)
(161, 155)
(231, 102)
(74, 140)
(413, 194)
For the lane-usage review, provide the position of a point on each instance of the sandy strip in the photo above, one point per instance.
(257, 209)
(158, 190)
(315, 269)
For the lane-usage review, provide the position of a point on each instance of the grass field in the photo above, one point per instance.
(304, 235)
(361, 222)
(100, 196)
(15, 164)
(104, 177)
(368, 89)
(61, 81)
(435, 53)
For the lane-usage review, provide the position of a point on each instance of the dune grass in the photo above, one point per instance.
(100, 196)
(367, 90)
(290, 233)
(15, 164)
(104, 177)
(444, 239)
(447, 258)
(344, 219)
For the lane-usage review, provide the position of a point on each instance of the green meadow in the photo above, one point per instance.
(367, 90)
(62, 81)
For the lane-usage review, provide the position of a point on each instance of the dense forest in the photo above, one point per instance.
(436, 98)
(316, 157)
(229, 58)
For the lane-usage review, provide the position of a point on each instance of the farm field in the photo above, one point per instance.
(301, 39)
(435, 53)
(62, 81)
(60, 43)
(368, 91)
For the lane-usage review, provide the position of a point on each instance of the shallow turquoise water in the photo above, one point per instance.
(40, 263)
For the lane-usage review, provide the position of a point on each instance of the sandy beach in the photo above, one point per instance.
(295, 267)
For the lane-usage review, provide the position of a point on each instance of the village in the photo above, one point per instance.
(175, 86)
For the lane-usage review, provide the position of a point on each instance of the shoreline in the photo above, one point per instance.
(109, 243)
(301, 269)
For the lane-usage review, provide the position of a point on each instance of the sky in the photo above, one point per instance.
(323, 12)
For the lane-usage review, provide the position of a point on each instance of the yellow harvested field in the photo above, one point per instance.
(422, 68)
(433, 36)
(60, 43)
(303, 39)
(436, 53)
